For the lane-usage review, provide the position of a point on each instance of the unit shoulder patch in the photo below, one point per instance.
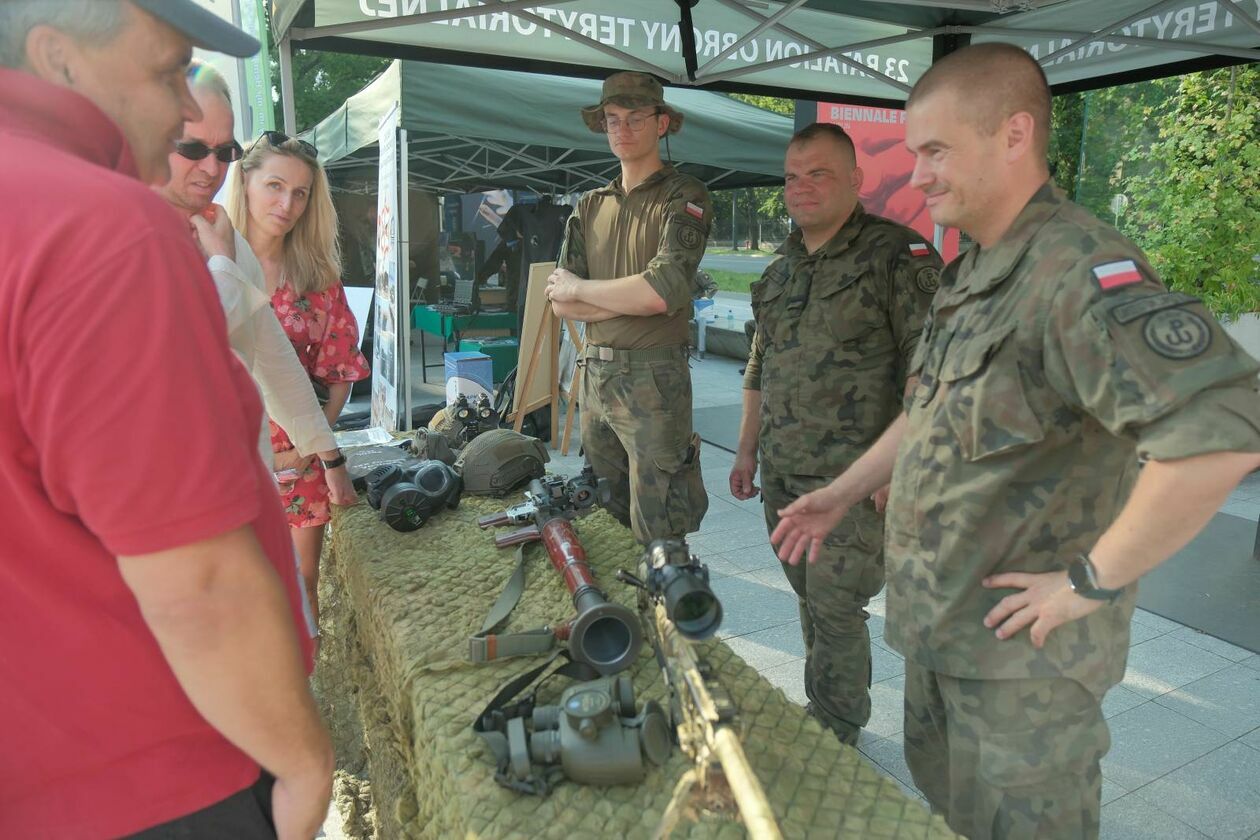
(1125, 313)
(686, 234)
(1177, 334)
(928, 279)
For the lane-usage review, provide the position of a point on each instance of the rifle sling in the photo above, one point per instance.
(487, 646)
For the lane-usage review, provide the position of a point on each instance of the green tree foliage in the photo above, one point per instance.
(1196, 189)
(751, 209)
(1065, 139)
(1117, 122)
(1185, 152)
(322, 81)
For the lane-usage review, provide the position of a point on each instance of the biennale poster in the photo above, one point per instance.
(386, 373)
(879, 134)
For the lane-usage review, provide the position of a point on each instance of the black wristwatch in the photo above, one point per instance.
(1084, 580)
(339, 461)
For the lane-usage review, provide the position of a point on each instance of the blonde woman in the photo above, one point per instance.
(280, 203)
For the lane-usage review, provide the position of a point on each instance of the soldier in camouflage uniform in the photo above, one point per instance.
(838, 319)
(1054, 363)
(630, 255)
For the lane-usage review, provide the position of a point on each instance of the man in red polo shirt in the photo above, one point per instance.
(149, 656)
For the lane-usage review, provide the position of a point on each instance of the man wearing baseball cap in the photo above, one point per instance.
(150, 657)
(630, 255)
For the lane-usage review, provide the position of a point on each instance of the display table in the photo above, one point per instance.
(396, 614)
(452, 327)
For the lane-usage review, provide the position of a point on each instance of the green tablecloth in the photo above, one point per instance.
(428, 319)
(396, 614)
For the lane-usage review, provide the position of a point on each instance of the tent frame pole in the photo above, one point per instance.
(765, 24)
(286, 85)
(1246, 19)
(404, 286)
(1106, 30)
(817, 44)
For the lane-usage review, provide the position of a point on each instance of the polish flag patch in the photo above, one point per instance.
(919, 249)
(695, 210)
(1114, 275)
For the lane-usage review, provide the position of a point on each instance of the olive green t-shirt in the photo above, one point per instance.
(658, 229)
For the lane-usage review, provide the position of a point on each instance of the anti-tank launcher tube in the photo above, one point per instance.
(605, 635)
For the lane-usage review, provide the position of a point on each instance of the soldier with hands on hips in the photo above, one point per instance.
(629, 258)
(838, 317)
(1074, 424)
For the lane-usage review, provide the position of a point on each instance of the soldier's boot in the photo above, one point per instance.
(845, 731)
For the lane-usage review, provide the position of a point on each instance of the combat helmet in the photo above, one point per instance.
(499, 461)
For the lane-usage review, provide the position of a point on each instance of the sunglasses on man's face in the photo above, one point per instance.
(279, 138)
(196, 150)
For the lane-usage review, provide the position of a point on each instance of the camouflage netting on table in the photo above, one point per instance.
(396, 614)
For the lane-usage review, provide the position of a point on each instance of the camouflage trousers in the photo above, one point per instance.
(636, 432)
(833, 594)
(1008, 759)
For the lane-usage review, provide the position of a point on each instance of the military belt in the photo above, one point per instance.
(649, 354)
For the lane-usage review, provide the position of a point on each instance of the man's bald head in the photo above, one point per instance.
(991, 82)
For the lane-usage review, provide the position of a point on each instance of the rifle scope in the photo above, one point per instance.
(681, 582)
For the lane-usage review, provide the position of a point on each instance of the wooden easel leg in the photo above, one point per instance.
(553, 345)
(524, 387)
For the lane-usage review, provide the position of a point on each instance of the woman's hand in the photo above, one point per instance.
(340, 488)
(291, 459)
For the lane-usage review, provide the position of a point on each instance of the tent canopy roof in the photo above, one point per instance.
(848, 50)
(471, 129)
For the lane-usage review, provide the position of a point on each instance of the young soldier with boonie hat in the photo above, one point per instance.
(630, 254)
(631, 90)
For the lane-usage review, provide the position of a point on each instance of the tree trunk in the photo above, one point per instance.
(753, 244)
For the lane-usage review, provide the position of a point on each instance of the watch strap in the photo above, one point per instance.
(339, 461)
(1083, 578)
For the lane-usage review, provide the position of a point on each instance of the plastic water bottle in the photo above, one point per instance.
(730, 319)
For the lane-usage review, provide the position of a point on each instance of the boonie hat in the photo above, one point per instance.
(631, 90)
(201, 26)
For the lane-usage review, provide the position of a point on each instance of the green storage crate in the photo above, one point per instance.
(502, 353)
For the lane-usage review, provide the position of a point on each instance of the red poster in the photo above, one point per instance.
(879, 134)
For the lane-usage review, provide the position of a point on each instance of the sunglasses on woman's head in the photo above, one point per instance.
(279, 138)
(196, 150)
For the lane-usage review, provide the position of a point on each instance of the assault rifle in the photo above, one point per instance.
(604, 634)
(677, 607)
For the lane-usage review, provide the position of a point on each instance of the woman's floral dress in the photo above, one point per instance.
(326, 338)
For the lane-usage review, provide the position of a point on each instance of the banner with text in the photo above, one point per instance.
(879, 137)
(387, 358)
(645, 36)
